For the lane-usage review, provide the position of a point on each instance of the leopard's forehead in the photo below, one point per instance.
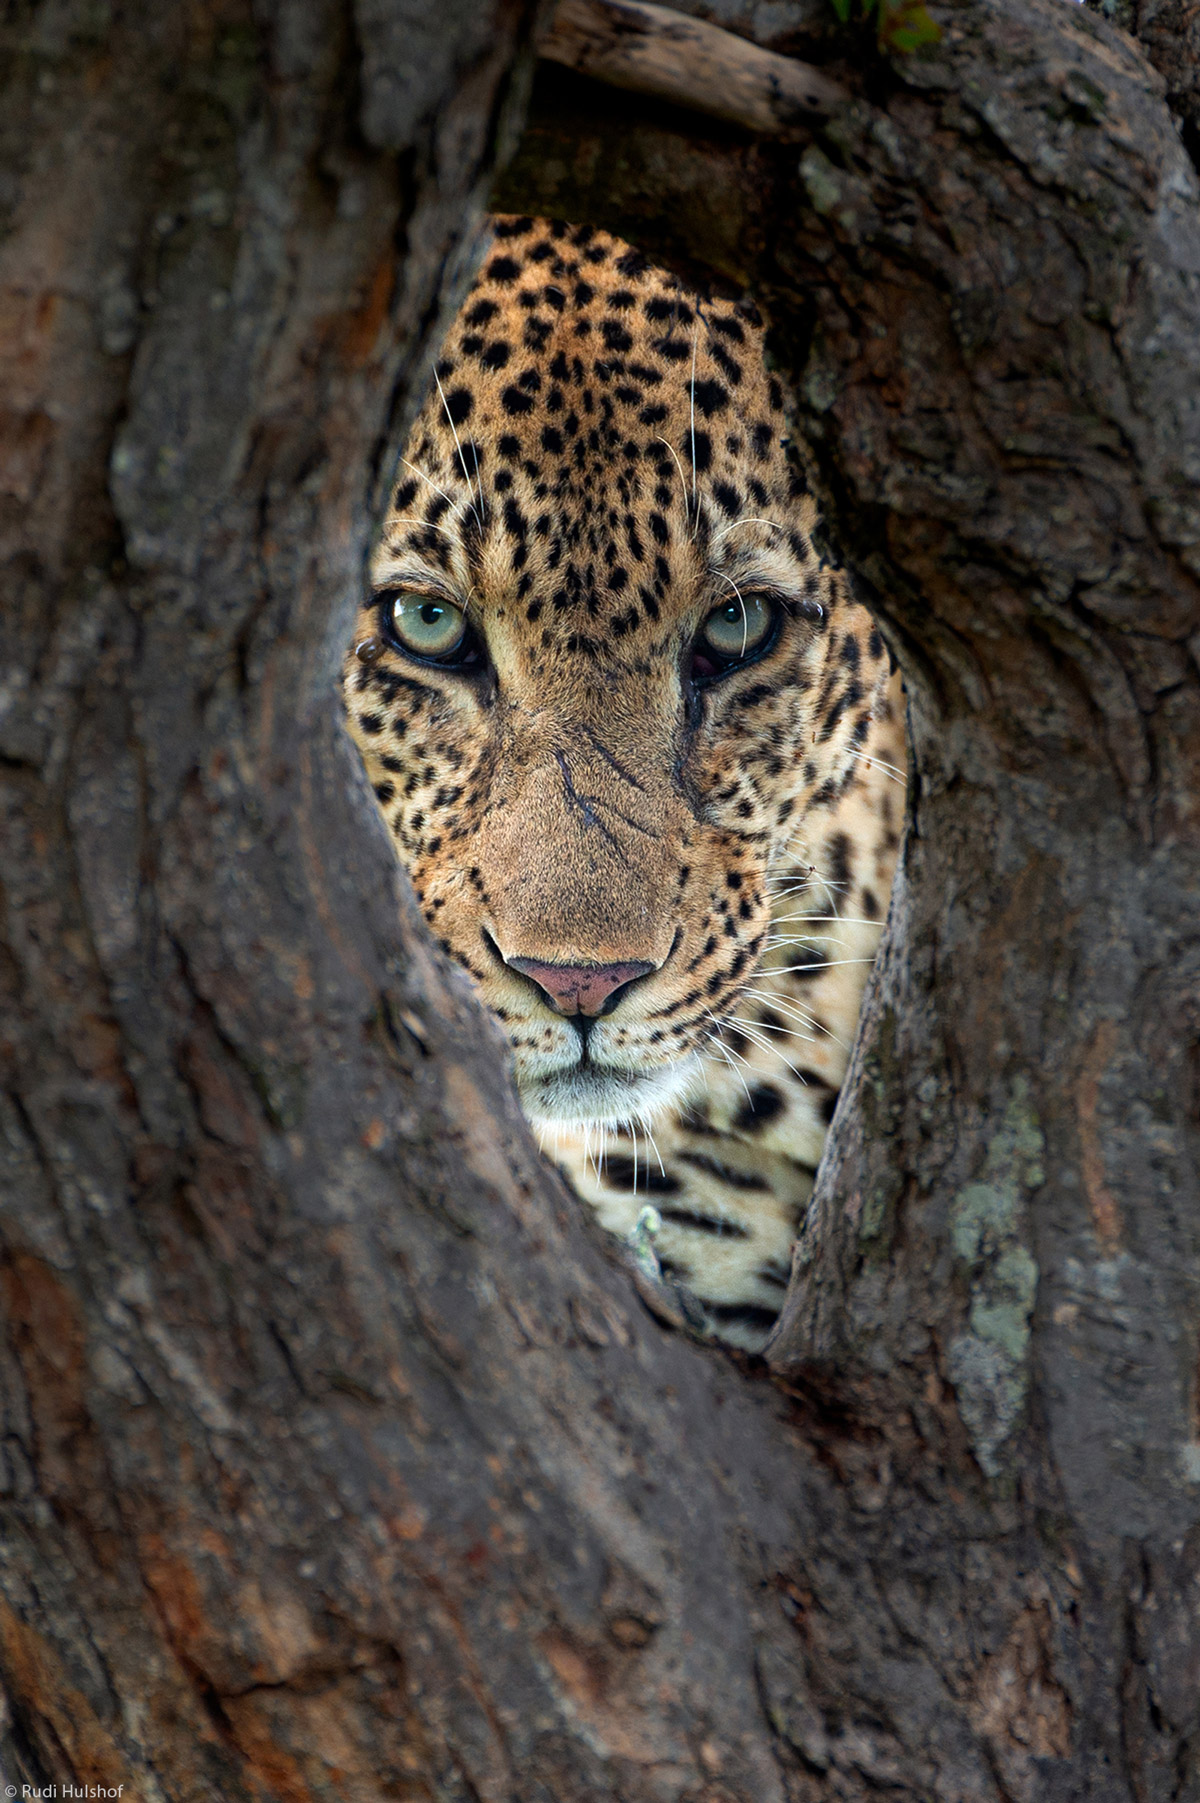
(600, 443)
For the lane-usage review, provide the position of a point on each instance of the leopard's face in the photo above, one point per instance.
(605, 674)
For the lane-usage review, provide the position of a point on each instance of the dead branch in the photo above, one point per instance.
(652, 50)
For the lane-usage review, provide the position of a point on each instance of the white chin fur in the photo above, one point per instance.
(587, 1095)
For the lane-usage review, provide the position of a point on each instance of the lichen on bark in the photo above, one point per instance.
(990, 1228)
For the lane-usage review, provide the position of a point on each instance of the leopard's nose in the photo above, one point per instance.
(582, 988)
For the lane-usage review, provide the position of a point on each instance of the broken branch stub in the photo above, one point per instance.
(653, 50)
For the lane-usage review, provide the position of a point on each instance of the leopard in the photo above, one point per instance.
(639, 746)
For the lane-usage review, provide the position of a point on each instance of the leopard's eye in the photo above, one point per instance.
(733, 633)
(425, 625)
(430, 628)
(738, 626)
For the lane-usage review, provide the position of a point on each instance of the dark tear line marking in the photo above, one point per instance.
(615, 762)
(586, 806)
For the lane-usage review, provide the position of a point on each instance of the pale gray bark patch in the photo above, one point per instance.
(414, 58)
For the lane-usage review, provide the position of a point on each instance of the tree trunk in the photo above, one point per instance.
(339, 1460)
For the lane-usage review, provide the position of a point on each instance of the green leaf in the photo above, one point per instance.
(905, 28)
(901, 26)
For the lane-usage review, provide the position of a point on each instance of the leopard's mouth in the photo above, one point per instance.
(587, 1094)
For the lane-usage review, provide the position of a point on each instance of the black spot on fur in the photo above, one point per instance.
(763, 1104)
(807, 961)
(710, 397)
(690, 1217)
(750, 1180)
(459, 405)
(838, 851)
(615, 336)
(742, 1314)
(731, 368)
(619, 1173)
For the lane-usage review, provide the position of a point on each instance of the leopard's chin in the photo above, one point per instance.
(596, 1095)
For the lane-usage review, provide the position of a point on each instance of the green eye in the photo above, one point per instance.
(429, 628)
(739, 627)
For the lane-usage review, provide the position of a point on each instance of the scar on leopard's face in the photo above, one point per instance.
(605, 674)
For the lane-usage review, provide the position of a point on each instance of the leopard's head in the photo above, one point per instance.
(605, 674)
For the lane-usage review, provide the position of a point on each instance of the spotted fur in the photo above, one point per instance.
(601, 464)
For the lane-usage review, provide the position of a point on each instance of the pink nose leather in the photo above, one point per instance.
(579, 988)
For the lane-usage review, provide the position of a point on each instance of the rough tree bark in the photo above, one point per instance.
(339, 1460)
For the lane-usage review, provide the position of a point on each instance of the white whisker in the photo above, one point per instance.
(725, 1050)
(746, 520)
(843, 920)
(782, 1005)
(893, 770)
(458, 447)
(750, 1028)
(788, 970)
(682, 477)
(737, 591)
(783, 939)
(727, 1055)
(764, 1045)
(455, 507)
(781, 891)
(653, 1146)
(721, 1022)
